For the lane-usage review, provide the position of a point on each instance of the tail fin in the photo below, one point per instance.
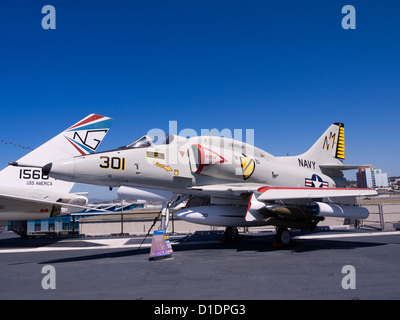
(329, 148)
(84, 137)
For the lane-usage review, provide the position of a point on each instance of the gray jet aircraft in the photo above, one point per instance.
(228, 182)
(27, 194)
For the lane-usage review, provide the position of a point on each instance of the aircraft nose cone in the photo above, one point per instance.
(47, 168)
(63, 170)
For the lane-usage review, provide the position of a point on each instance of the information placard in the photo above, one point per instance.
(160, 246)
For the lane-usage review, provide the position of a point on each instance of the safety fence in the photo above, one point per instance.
(382, 216)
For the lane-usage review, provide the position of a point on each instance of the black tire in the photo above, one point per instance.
(284, 236)
(231, 234)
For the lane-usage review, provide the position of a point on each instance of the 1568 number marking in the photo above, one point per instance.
(28, 174)
(115, 163)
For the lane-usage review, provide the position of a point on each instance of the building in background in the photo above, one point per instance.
(372, 178)
(381, 179)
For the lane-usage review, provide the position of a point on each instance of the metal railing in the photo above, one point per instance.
(382, 216)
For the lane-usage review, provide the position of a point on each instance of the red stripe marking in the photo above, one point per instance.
(92, 118)
(202, 157)
(80, 151)
(249, 205)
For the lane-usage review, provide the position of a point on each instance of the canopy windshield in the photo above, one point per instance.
(151, 140)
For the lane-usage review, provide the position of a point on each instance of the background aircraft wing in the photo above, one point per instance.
(44, 202)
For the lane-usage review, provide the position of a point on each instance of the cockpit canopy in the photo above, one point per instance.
(151, 140)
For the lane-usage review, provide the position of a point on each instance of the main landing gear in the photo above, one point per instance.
(231, 234)
(283, 236)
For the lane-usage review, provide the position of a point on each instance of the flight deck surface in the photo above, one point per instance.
(205, 268)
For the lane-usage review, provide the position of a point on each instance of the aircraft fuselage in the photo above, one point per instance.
(187, 163)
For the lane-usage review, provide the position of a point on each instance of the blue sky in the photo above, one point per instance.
(286, 69)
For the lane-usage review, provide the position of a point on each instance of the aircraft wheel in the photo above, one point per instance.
(231, 233)
(284, 236)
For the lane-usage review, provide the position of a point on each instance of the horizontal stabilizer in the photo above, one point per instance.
(344, 167)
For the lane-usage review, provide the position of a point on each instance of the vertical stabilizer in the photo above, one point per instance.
(82, 138)
(329, 148)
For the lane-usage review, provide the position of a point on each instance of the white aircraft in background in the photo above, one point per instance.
(26, 193)
(230, 183)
